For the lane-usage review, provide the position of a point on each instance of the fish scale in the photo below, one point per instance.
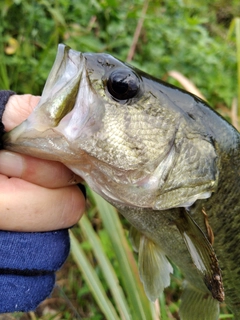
(162, 157)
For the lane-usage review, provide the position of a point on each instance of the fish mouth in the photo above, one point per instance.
(62, 114)
(61, 89)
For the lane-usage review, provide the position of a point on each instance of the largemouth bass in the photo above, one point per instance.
(162, 157)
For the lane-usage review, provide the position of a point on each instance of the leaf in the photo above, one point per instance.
(12, 46)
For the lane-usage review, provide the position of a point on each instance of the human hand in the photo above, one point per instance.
(35, 195)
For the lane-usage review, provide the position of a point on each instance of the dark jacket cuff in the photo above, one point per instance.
(4, 96)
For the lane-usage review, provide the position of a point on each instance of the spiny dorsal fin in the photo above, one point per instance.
(202, 254)
(154, 268)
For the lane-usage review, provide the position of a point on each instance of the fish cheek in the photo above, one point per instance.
(194, 174)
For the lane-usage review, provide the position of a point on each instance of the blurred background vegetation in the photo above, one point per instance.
(169, 39)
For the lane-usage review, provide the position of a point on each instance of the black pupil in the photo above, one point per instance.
(123, 84)
(120, 86)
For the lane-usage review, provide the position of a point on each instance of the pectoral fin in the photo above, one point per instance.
(197, 305)
(154, 268)
(202, 254)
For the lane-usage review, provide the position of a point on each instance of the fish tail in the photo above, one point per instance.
(198, 305)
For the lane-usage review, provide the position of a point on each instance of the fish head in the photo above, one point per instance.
(125, 133)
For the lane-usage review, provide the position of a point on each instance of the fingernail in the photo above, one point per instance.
(11, 164)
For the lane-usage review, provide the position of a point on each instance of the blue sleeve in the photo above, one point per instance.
(27, 267)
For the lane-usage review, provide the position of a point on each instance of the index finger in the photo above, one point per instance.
(45, 173)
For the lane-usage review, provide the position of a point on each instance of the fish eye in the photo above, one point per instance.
(123, 84)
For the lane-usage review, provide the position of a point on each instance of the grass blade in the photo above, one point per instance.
(140, 305)
(92, 279)
(106, 268)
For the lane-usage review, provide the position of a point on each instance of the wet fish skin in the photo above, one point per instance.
(162, 157)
